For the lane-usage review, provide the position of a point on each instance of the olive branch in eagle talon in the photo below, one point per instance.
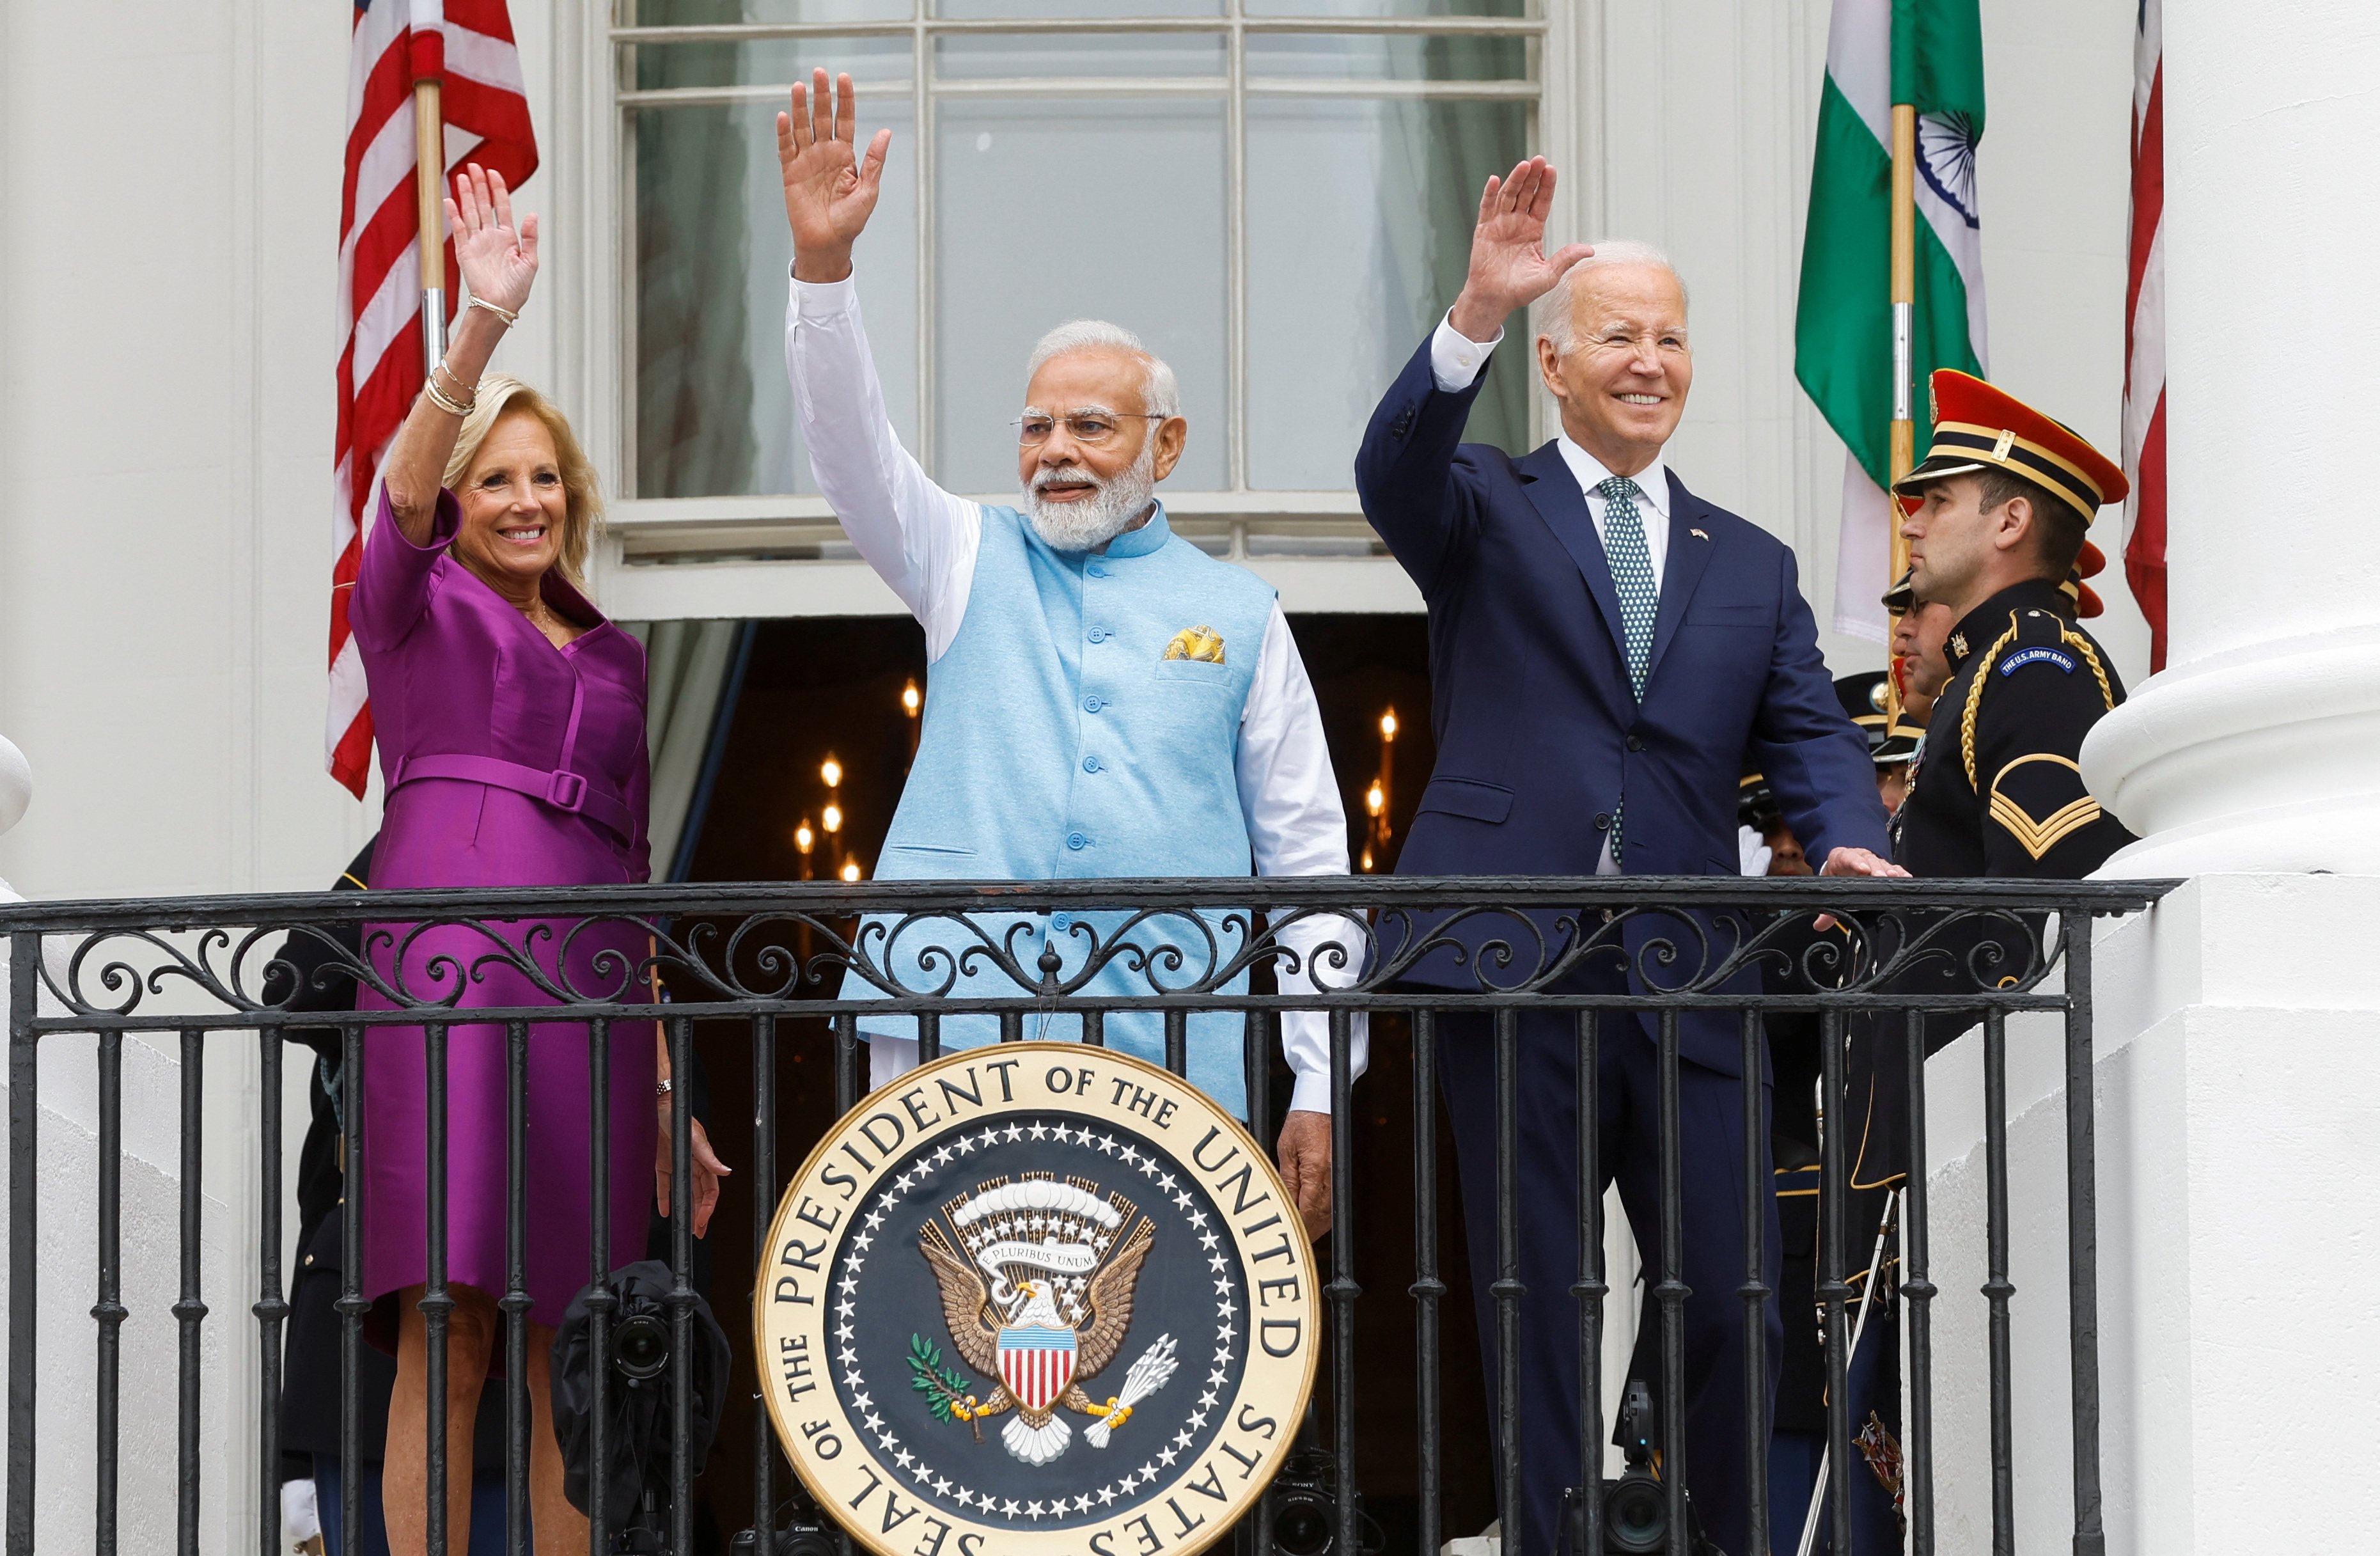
(945, 1389)
(1040, 1333)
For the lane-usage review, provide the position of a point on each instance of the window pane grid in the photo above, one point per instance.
(1397, 77)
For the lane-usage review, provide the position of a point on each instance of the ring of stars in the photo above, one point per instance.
(900, 1456)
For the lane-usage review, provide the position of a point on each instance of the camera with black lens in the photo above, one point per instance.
(641, 1347)
(807, 1535)
(1304, 1498)
(1636, 1505)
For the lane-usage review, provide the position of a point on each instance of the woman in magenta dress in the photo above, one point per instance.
(510, 716)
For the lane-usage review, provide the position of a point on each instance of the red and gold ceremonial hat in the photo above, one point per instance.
(1976, 425)
(2089, 563)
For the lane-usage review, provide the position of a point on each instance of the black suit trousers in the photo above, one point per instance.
(1545, 1179)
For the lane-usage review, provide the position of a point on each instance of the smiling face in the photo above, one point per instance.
(514, 506)
(1623, 383)
(1063, 469)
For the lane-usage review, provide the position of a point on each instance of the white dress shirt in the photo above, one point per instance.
(1454, 360)
(922, 541)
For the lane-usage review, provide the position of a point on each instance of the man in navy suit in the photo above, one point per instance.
(1608, 653)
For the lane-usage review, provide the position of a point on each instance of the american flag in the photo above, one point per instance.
(467, 45)
(2144, 331)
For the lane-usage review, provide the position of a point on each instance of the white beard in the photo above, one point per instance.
(1088, 523)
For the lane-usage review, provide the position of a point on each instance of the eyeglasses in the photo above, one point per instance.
(1093, 427)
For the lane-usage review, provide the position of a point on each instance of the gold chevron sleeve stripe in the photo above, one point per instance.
(2039, 836)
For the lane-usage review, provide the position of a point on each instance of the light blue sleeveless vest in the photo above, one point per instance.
(1060, 742)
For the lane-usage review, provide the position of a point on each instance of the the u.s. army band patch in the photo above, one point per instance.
(1037, 1298)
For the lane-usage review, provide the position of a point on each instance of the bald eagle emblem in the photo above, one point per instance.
(1037, 1279)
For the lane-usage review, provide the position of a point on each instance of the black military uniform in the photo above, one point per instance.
(2000, 792)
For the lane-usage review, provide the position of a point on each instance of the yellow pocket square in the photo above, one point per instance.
(1203, 643)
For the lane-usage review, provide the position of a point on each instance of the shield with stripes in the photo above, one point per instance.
(1036, 1363)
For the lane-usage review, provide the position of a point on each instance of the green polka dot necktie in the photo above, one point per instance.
(1632, 575)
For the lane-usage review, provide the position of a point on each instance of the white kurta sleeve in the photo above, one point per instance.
(920, 539)
(1296, 826)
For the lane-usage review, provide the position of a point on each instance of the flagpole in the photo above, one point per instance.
(1904, 302)
(430, 190)
(1904, 315)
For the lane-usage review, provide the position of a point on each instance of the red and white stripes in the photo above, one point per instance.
(2144, 333)
(467, 45)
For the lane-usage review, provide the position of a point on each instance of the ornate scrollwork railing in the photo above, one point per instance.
(900, 946)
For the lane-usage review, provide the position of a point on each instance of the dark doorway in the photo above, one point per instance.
(821, 689)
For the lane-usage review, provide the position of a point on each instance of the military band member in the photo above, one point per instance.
(1989, 632)
(2006, 497)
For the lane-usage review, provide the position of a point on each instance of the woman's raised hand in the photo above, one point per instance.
(498, 259)
(830, 189)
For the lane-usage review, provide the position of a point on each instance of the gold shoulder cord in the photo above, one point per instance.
(2091, 656)
(1975, 697)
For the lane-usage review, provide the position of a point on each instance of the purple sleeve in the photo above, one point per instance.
(394, 585)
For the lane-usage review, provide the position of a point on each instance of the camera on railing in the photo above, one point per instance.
(1636, 1505)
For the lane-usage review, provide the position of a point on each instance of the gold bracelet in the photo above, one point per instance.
(509, 317)
(430, 387)
(472, 391)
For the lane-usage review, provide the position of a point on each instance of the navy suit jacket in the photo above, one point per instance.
(1539, 731)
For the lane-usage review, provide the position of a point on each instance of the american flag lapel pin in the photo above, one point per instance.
(1699, 534)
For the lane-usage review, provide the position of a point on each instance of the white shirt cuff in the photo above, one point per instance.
(1455, 358)
(825, 299)
(1311, 1094)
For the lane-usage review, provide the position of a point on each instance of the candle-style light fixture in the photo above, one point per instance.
(805, 840)
(1377, 798)
(832, 818)
(830, 771)
(851, 869)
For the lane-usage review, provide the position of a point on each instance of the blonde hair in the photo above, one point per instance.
(583, 511)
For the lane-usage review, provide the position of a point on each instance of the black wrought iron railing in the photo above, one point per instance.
(760, 970)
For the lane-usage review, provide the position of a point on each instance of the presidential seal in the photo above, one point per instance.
(1037, 1298)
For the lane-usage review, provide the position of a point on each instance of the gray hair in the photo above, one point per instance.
(1552, 315)
(1158, 394)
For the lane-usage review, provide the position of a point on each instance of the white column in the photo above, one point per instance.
(2259, 747)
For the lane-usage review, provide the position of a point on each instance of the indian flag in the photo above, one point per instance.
(1928, 54)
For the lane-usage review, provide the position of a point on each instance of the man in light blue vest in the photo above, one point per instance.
(1106, 700)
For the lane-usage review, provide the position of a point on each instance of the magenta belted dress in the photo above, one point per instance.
(508, 762)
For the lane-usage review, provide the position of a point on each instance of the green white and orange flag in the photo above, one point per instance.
(1928, 54)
